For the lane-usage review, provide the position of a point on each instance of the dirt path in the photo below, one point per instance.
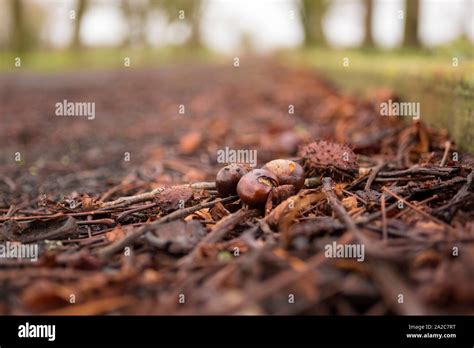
(139, 141)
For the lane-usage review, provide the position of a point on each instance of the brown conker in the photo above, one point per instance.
(287, 172)
(254, 187)
(228, 177)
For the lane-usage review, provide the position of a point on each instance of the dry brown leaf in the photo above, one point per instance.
(350, 203)
(190, 142)
(116, 234)
(285, 213)
(202, 214)
(174, 197)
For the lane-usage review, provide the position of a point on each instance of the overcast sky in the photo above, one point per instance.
(268, 24)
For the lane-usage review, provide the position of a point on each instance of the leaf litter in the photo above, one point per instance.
(131, 237)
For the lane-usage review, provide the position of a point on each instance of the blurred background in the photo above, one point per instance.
(229, 26)
(421, 49)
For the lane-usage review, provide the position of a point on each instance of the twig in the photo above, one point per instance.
(108, 222)
(384, 218)
(337, 206)
(126, 213)
(203, 185)
(128, 200)
(418, 210)
(438, 171)
(373, 174)
(423, 202)
(447, 147)
(409, 178)
(448, 210)
(220, 230)
(363, 201)
(129, 238)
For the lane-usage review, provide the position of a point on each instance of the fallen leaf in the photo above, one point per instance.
(190, 142)
(177, 237)
(174, 197)
(116, 234)
(36, 230)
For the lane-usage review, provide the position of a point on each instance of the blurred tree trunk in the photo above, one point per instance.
(127, 14)
(191, 12)
(311, 12)
(18, 40)
(411, 23)
(368, 38)
(81, 8)
(195, 39)
(135, 14)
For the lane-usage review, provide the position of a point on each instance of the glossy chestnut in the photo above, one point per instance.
(228, 177)
(254, 187)
(287, 172)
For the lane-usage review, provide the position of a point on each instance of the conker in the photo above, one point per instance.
(287, 172)
(228, 177)
(254, 187)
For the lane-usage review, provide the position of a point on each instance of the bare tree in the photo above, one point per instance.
(411, 23)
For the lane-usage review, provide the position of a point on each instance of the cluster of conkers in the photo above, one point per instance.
(254, 186)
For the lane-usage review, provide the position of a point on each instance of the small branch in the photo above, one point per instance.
(220, 230)
(129, 238)
(126, 213)
(151, 195)
(447, 147)
(108, 222)
(448, 210)
(418, 210)
(337, 207)
(438, 171)
(373, 174)
(203, 186)
(384, 218)
(129, 200)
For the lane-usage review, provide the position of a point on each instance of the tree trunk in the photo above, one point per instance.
(312, 20)
(18, 32)
(195, 38)
(81, 8)
(411, 23)
(368, 38)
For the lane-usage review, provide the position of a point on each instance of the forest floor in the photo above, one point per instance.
(126, 219)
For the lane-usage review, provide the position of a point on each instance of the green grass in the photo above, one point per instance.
(100, 58)
(445, 92)
(391, 63)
